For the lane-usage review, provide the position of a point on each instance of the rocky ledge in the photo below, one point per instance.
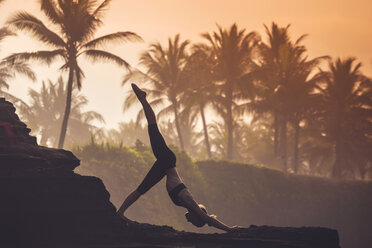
(45, 204)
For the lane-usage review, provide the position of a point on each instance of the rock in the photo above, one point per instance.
(45, 204)
(24, 155)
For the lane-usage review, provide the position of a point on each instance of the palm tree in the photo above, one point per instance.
(46, 111)
(296, 91)
(347, 115)
(232, 50)
(201, 88)
(76, 22)
(164, 72)
(301, 103)
(284, 82)
(268, 72)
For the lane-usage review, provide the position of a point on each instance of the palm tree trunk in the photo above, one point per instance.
(363, 170)
(229, 135)
(176, 120)
(67, 109)
(283, 145)
(295, 153)
(229, 124)
(338, 164)
(276, 134)
(206, 137)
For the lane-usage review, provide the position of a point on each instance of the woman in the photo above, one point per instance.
(166, 165)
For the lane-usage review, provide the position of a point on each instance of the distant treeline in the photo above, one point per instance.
(238, 193)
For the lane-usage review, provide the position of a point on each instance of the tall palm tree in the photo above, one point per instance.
(200, 89)
(164, 72)
(232, 49)
(268, 73)
(284, 76)
(295, 92)
(46, 111)
(75, 23)
(298, 94)
(347, 115)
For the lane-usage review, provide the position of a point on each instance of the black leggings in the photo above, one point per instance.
(165, 159)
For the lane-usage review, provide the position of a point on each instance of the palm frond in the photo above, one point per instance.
(96, 55)
(5, 32)
(44, 56)
(114, 37)
(165, 112)
(50, 10)
(140, 116)
(3, 83)
(79, 74)
(93, 116)
(101, 8)
(22, 68)
(300, 39)
(129, 102)
(25, 21)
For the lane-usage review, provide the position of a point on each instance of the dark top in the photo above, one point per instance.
(173, 194)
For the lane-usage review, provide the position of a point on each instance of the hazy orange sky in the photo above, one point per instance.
(335, 27)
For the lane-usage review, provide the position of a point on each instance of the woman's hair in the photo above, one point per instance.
(200, 222)
(202, 207)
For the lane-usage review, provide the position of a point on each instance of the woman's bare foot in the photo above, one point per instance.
(139, 93)
(124, 218)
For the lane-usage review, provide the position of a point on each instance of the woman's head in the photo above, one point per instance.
(195, 219)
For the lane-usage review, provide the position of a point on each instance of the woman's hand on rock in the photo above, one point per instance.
(236, 228)
(124, 218)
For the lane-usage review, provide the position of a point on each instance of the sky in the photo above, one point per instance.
(337, 28)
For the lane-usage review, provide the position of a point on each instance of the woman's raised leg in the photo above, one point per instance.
(158, 145)
(149, 113)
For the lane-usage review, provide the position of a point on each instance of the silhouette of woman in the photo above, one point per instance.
(166, 165)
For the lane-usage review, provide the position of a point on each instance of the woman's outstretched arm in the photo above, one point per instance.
(131, 198)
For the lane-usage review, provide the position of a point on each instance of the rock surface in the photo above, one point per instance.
(45, 204)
